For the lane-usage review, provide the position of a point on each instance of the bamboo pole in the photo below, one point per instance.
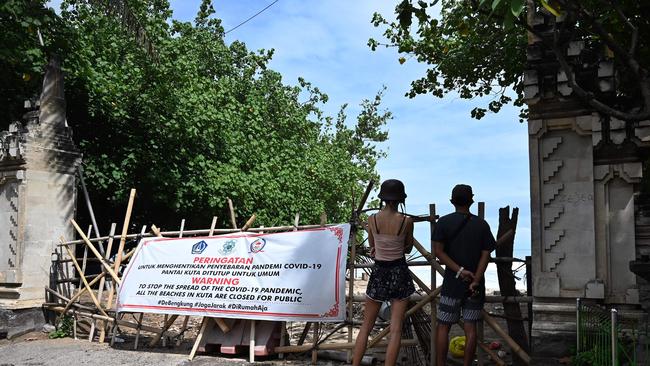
(120, 322)
(199, 337)
(314, 352)
(516, 348)
(96, 253)
(159, 332)
(249, 223)
(434, 318)
(118, 260)
(334, 346)
(251, 343)
(83, 278)
(78, 294)
(137, 334)
(231, 210)
(66, 300)
(84, 259)
(412, 310)
(89, 205)
(205, 231)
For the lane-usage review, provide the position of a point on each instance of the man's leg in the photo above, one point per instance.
(472, 310)
(397, 310)
(470, 343)
(442, 343)
(369, 316)
(448, 314)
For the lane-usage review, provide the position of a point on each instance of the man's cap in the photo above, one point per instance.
(392, 190)
(462, 195)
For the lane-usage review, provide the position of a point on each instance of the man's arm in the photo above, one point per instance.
(480, 271)
(449, 263)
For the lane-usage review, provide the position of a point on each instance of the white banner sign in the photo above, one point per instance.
(298, 275)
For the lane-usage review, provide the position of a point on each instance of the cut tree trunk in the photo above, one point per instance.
(507, 281)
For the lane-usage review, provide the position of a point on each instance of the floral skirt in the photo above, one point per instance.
(390, 280)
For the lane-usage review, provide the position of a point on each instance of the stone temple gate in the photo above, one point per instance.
(588, 222)
(38, 162)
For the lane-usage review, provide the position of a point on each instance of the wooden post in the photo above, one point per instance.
(432, 344)
(507, 285)
(351, 261)
(78, 294)
(107, 253)
(137, 334)
(95, 252)
(199, 337)
(479, 326)
(231, 209)
(120, 249)
(83, 278)
(251, 343)
(314, 351)
(85, 257)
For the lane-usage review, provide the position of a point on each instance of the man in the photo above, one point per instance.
(462, 243)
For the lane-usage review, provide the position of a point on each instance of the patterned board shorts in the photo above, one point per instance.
(390, 280)
(450, 308)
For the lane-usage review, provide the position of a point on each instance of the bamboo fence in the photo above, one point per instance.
(63, 299)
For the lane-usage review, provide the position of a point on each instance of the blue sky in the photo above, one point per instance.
(433, 143)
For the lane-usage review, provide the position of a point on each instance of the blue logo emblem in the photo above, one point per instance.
(258, 245)
(228, 247)
(199, 247)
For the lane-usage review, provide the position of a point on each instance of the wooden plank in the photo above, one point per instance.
(96, 253)
(83, 278)
(433, 315)
(199, 337)
(507, 285)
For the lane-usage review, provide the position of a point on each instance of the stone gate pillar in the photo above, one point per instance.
(38, 161)
(585, 170)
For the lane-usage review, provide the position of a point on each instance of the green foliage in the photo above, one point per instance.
(64, 328)
(476, 48)
(21, 56)
(466, 51)
(197, 121)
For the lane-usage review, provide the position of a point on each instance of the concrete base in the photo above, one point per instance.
(551, 346)
(14, 323)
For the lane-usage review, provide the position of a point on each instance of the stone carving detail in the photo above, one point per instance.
(12, 142)
(551, 238)
(9, 214)
(551, 191)
(551, 168)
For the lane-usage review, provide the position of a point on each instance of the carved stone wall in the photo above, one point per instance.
(586, 171)
(38, 163)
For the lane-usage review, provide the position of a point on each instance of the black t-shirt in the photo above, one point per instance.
(465, 249)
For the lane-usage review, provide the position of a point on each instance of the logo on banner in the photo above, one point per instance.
(199, 247)
(228, 247)
(258, 245)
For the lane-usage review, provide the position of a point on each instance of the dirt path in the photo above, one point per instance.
(34, 349)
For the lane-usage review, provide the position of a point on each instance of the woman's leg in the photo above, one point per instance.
(369, 316)
(397, 310)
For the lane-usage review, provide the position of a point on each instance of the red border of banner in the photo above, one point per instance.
(336, 231)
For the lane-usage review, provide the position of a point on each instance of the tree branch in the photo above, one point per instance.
(586, 96)
(639, 72)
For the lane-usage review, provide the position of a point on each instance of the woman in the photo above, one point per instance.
(390, 235)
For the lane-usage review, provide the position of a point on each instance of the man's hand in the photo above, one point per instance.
(372, 252)
(473, 287)
(466, 275)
